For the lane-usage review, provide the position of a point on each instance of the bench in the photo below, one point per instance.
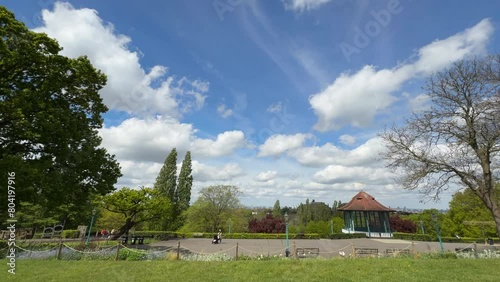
(397, 252)
(307, 252)
(365, 251)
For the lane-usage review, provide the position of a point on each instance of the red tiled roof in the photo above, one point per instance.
(363, 202)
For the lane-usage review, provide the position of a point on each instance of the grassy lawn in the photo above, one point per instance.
(293, 270)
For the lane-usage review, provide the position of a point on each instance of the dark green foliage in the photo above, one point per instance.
(185, 184)
(166, 181)
(50, 111)
(346, 236)
(178, 191)
(277, 209)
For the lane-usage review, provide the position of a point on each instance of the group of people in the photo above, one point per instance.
(106, 234)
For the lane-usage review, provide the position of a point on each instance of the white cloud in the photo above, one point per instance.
(152, 139)
(419, 102)
(439, 54)
(301, 5)
(366, 154)
(225, 144)
(355, 99)
(343, 174)
(129, 88)
(266, 176)
(278, 144)
(347, 139)
(224, 112)
(204, 173)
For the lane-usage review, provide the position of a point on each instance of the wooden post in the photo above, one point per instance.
(118, 252)
(178, 250)
(59, 251)
(236, 251)
(295, 250)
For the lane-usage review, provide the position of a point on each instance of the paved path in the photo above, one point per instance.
(327, 248)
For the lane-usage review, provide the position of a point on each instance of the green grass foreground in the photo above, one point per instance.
(284, 270)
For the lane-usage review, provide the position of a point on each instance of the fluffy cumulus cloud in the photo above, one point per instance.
(301, 5)
(279, 144)
(367, 154)
(266, 176)
(356, 98)
(224, 112)
(152, 139)
(129, 88)
(333, 174)
(204, 173)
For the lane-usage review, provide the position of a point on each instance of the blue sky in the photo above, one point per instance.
(283, 99)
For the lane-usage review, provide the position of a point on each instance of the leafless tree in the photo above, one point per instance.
(456, 141)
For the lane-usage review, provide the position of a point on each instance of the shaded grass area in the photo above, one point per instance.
(400, 269)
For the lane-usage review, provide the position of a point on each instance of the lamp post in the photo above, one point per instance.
(434, 218)
(229, 221)
(90, 229)
(287, 252)
(331, 227)
(422, 227)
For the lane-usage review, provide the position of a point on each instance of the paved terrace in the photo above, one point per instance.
(327, 248)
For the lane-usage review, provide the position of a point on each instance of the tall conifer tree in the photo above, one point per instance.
(185, 184)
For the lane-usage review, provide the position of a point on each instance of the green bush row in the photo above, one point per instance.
(346, 236)
(420, 237)
(167, 235)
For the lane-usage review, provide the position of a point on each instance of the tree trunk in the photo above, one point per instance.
(124, 229)
(490, 202)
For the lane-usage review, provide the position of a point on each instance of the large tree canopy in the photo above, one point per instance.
(136, 206)
(456, 142)
(50, 111)
(213, 208)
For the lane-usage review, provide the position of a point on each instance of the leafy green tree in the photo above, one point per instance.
(277, 209)
(136, 206)
(338, 224)
(50, 113)
(320, 211)
(213, 208)
(320, 227)
(468, 215)
(457, 139)
(185, 184)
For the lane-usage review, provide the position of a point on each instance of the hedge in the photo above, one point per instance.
(347, 235)
(420, 237)
(167, 235)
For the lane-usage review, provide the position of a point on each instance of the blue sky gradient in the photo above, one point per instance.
(281, 98)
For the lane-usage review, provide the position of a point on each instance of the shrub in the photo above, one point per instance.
(70, 233)
(346, 236)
